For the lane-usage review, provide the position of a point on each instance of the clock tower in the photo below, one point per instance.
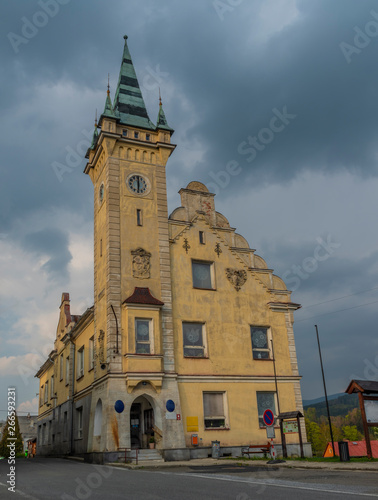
(133, 328)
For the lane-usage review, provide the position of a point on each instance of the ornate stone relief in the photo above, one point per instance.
(186, 245)
(100, 354)
(141, 264)
(236, 278)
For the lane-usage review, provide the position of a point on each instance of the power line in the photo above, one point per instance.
(340, 310)
(339, 298)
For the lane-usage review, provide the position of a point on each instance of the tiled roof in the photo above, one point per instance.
(356, 449)
(143, 296)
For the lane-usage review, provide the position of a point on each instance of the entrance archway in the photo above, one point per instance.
(142, 418)
(97, 426)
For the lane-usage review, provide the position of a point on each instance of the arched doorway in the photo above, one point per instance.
(142, 419)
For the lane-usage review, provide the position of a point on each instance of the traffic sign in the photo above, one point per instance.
(268, 417)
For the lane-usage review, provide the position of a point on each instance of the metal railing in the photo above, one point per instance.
(130, 458)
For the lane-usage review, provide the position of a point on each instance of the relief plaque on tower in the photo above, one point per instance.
(236, 277)
(141, 263)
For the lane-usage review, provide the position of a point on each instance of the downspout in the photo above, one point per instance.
(72, 394)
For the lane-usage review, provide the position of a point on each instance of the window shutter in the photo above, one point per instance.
(213, 405)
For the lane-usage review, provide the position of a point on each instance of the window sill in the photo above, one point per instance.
(196, 357)
(91, 369)
(263, 359)
(217, 429)
(81, 376)
(208, 289)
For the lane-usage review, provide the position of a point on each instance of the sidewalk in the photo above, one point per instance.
(297, 464)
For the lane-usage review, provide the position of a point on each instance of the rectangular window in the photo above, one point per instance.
(136, 135)
(148, 137)
(124, 133)
(52, 386)
(65, 426)
(80, 362)
(203, 275)
(214, 410)
(265, 401)
(41, 395)
(202, 237)
(46, 391)
(61, 367)
(194, 340)
(101, 247)
(67, 370)
(79, 420)
(143, 335)
(91, 354)
(260, 342)
(44, 441)
(139, 217)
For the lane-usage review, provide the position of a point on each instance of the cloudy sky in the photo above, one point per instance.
(274, 107)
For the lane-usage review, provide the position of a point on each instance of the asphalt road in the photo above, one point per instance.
(50, 479)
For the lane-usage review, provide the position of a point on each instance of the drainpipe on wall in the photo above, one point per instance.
(71, 394)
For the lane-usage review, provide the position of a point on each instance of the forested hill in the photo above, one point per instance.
(339, 406)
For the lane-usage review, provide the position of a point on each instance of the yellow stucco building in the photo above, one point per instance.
(177, 348)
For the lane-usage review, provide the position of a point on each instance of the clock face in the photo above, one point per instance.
(137, 184)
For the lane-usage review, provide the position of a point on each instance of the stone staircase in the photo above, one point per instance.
(149, 456)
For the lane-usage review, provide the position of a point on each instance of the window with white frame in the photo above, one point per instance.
(143, 336)
(52, 386)
(194, 340)
(265, 401)
(203, 274)
(46, 391)
(79, 422)
(80, 362)
(67, 370)
(215, 410)
(61, 361)
(41, 395)
(260, 337)
(91, 354)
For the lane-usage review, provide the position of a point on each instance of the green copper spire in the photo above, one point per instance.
(129, 105)
(95, 134)
(162, 121)
(108, 110)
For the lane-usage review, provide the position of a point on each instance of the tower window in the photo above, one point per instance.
(101, 192)
(139, 217)
(101, 247)
(202, 237)
(136, 135)
(124, 133)
(148, 137)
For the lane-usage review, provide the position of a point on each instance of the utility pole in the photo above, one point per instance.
(325, 391)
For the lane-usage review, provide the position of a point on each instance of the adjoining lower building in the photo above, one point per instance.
(178, 347)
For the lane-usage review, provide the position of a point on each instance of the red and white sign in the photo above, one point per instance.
(178, 417)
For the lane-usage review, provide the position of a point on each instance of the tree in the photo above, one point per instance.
(314, 436)
(8, 433)
(351, 433)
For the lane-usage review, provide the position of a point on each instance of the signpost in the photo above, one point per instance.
(268, 419)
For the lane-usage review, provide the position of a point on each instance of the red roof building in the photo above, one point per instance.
(356, 449)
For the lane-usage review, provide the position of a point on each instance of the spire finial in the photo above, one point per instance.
(125, 37)
(160, 103)
(108, 91)
(96, 119)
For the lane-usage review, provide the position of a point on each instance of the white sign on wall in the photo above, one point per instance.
(371, 410)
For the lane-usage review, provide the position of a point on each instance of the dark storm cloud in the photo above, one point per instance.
(53, 245)
(231, 80)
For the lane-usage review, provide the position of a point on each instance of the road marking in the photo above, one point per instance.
(246, 481)
(25, 495)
